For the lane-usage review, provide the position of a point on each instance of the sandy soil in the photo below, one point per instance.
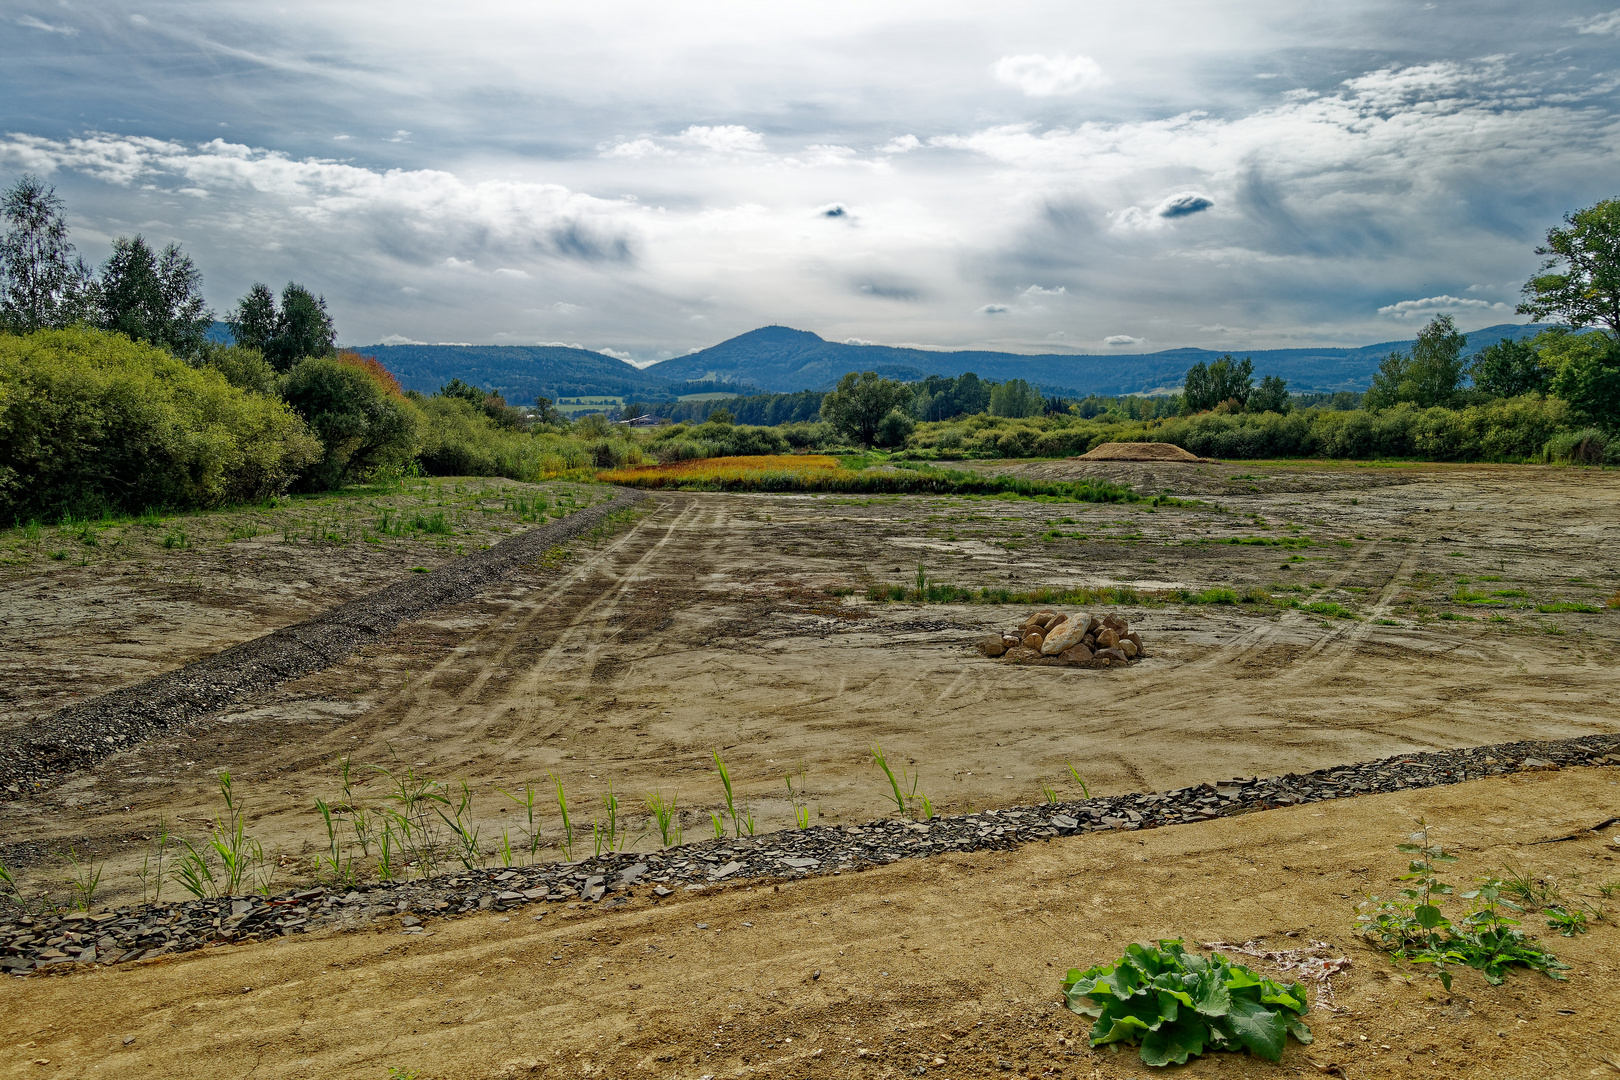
(946, 967)
(726, 622)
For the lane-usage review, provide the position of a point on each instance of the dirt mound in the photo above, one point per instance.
(1139, 451)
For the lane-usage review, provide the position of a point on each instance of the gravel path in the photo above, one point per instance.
(82, 734)
(51, 942)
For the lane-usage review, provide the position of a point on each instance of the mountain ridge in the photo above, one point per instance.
(781, 359)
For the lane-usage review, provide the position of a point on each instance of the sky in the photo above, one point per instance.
(646, 179)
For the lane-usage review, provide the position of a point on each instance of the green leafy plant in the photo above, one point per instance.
(1179, 1005)
(531, 828)
(1413, 928)
(740, 817)
(801, 808)
(240, 858)
(1566, 922)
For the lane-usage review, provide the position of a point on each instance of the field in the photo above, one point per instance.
(1297, 616)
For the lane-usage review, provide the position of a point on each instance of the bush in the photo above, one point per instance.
(1588, 446)
(717, 439)
(92, 421)
(895, 428)
(364, 422)
(460, 438)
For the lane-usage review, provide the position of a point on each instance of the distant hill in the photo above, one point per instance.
(782, 359)
(518, 373)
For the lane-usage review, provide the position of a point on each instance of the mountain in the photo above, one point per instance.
(518, 373)
(782, 359)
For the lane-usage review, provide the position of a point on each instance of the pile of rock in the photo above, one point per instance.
(1075, 638)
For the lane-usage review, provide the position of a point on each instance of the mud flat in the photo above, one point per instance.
(739, 623)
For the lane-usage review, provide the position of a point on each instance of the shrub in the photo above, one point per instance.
(355, 408)
(1589, 446)
(93, 421)
(460, 438)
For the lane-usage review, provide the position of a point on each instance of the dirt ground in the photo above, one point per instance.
(740, 623)
(947, 967)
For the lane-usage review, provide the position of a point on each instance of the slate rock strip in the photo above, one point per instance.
(50, 943)
(84, 733)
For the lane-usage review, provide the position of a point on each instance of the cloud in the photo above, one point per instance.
(1183, 205)
(888, 288)
(833, 210)
(414, 216)
(33, 23)
(1435, 304)
(636, 149)
(1121, 339)
(1043, 76)
(507, 271)
(1036, 290)
(1607, 23)
(858, 341)
(900, 144)
(399, 339)
(617, 355)
(994, 309)
(723, 139)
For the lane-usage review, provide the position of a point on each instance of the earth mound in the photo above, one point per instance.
(1135, 451)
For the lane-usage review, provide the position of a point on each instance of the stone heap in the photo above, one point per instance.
(1077, 638)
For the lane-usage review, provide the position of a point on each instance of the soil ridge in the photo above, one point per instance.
(87, 731)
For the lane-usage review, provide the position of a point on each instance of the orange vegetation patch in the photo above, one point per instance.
(722, 472)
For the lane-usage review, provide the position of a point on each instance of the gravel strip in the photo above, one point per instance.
(48, 943)
(82, 734)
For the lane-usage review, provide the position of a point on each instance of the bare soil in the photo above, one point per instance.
(739, 623)
(947, 967)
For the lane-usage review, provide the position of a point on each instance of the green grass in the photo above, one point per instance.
(1328, 608)
(1270, 541)
(1560, 607)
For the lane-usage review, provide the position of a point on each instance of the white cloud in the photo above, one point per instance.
(1036, 290)
(1435, 304)
(723, 139)
(855, 341)
(617, 355)
(636, 149)
(1049, 76)
(507, 271)
(33, 23)
(1607, 23)
(1121, 339)
(399, 339)
(900, 144)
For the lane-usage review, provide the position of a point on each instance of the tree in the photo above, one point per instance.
(299, 327)
(42, 284)
(1206, 386)
(1428, 377)
(154, 297)
(253, 322)
(895, 428)
(1015, 398)
(457, 389)
(1583, 287)
(1507, 369)
(1585, 371)
(1270, 396)
(860, 402)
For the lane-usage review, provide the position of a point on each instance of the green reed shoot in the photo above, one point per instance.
(1050, 792)
(732, 810)
(901, 795)
(666, 817)
(719, 825)
(567, 843)
(1084, 790)
(82, 879)
(152, 862)
(531, 828)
